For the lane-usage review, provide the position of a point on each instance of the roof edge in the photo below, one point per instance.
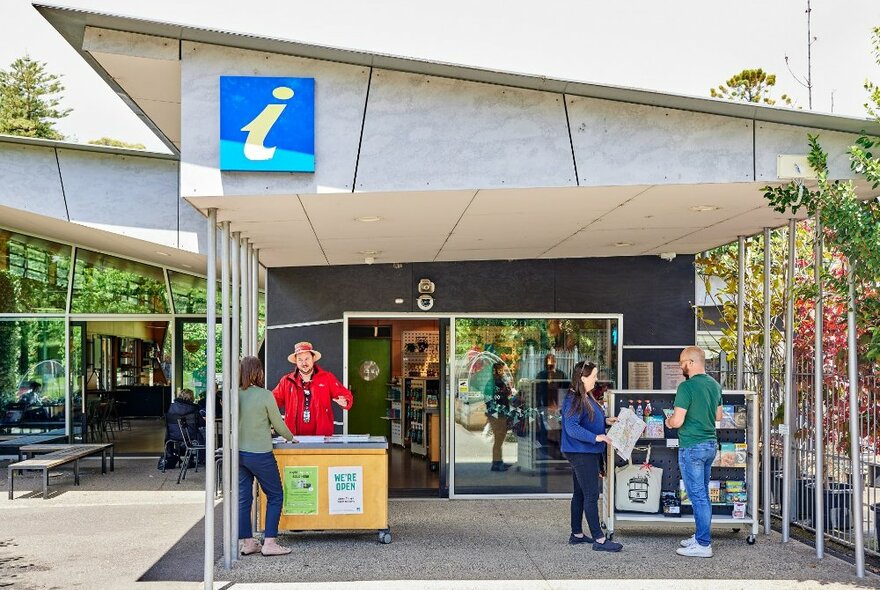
(85, 147)
(59, 16)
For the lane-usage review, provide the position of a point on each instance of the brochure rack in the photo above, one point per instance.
(664, 454)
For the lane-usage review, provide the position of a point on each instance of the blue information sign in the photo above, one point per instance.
(267, 124)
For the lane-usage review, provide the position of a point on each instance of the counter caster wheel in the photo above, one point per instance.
(751, 540)
(385, 536)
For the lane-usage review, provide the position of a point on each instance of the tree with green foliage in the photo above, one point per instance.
(30, 99)
(110, 142)
(750, 86)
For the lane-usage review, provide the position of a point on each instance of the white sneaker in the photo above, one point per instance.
(689, 541)
(695, 550)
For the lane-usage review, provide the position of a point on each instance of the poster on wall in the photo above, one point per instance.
(301, 490)
(670, 375)
(641, 375)
(346, 485)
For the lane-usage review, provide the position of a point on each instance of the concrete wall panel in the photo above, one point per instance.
(621, 143)
(29, 180)
(340, 95)
(772, 140)
(127, 195)
(423, 132)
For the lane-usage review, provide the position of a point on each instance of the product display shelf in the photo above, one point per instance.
(394, 413)
(415, 412)
(664, 454)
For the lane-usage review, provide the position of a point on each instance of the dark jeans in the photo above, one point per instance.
(585, 501)
(265, 469)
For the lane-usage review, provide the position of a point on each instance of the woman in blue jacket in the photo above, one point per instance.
(583, 442)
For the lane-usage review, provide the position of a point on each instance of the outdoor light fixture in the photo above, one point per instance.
(368, 219)
(162, 253)
(399, 300)
(704, 208)
(667, 256)
(622, 244)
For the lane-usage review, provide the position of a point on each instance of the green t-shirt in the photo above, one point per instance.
(700, 396)
(257, 411)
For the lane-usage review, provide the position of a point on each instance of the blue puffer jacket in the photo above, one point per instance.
(579, 432)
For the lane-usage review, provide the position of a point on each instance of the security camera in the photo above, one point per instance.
(667, 256)
(425, 302)
(426, 286)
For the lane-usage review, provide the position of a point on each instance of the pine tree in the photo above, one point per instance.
(749, 86)
(29, 99)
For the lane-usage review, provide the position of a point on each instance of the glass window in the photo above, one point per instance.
(33, 274)
(106, 284)
(32, 376)
(195, 359)
(190, 293)
(511, 377)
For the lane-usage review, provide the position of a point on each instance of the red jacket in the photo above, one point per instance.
(325, 387)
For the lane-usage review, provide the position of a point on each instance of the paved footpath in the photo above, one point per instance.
(136, 528)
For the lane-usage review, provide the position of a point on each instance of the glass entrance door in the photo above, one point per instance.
(190, 364)
(510, 376)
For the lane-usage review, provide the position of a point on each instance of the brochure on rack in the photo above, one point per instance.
(625, 432)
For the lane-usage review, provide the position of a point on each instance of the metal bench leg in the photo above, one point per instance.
(113, 458)
(11, 478)
(104, 462)
(76, 472)
(45, 484)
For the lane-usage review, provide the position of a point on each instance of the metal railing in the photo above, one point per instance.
(837, 482)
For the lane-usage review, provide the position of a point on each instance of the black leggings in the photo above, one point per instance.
(585, 501)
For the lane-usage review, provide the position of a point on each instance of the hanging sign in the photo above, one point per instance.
(301, 490)
(346, 490)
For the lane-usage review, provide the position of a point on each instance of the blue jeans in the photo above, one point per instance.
(696, 467)
(265, 469)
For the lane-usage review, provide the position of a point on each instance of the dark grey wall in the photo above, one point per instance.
(654, 296)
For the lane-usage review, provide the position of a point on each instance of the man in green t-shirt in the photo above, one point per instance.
(697, 408)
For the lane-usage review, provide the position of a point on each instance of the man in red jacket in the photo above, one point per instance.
(304, 395)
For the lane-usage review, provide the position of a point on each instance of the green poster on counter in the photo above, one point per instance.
(301, 490)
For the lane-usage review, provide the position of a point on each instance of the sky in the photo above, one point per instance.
(676, 46)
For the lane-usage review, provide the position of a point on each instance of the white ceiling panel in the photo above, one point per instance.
(382, 250)
(539, 229)
(670, 206)
(596, 242)
(403, 214)
(586, 203)
(447, 255)
(261, 208)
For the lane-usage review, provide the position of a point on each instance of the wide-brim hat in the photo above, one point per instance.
(301, 347)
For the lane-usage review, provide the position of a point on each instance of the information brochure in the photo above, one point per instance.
(625, 432)
(301, 490)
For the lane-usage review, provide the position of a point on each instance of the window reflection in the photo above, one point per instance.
(32, 376)
(106, 284)
(33, 274)
(190, 293)
(511, 377)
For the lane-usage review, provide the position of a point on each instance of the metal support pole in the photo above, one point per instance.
(234, 356)
(788, 397)
(210, 392)
(818, 377)
(854, 430)
(767, 472)
(740, 310)
(244, 261)
(255, 300)
(230, 544)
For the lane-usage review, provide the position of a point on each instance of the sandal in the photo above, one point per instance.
(250, 546)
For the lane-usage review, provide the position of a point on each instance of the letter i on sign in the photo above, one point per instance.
(258, 129)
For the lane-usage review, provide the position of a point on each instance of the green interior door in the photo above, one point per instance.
(369, 396)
